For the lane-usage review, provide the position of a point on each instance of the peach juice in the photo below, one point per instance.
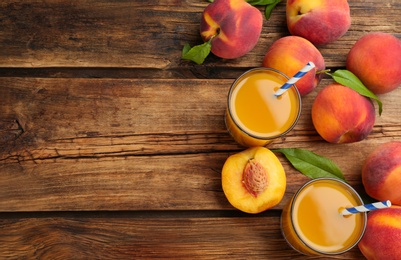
(312, 223)
(255, 116)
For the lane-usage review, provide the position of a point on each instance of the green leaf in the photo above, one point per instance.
(197, 53)
(349, 79)
(260, 2)
(270, 4)
(270, 7)
(311, 164)
(186, 48)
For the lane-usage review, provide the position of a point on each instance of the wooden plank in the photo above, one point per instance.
(152, 237)
(60, 109)
(143, 34)
(130, 168)
(150, 116)
(90, 144)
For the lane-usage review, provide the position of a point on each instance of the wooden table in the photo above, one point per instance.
(111, 146)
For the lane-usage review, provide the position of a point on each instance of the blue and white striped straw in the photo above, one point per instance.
(366, 207)
(310, 65)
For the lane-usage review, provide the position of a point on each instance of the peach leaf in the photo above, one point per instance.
(349, 79)
(197, 53)
(311, 164)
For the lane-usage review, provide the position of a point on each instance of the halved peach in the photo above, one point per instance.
(253, 180)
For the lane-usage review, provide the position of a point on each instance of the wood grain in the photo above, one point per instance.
(150, 238)
(110, 144)
(149, 34)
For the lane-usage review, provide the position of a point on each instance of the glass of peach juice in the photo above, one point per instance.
(255, 116)
(312, 223)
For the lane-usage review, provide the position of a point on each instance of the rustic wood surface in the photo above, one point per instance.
(111, 146)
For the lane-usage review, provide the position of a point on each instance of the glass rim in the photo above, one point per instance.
(354, 193)
(263, 137)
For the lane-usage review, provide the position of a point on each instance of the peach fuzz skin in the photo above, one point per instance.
(342, 115)
(234, 25)
(382, 238)
(376, 60)
(290, 54)
(319, 21)
(381, 173)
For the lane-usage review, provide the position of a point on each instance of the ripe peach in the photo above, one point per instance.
(234, 25)
(382, 238)
(290, 54)
(319, 21)
(342, 115)
(376, 60)
(381, 172)
(253, 180)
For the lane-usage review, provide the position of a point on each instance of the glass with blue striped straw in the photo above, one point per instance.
(254, 115)
(311, 222)
(309, 66)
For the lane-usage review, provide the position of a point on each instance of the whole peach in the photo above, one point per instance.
(382, 238)
(342, 115)
(233, 25)
(376, 60)
(319, 21)
(290, 54)
(381, 172)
